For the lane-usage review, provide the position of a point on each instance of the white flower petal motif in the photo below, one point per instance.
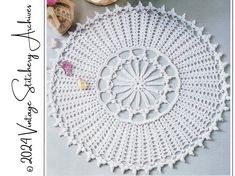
(140, 84)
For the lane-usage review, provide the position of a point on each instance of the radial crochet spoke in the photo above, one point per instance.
(122, 89)
(125, 95)
(131, 70)
(144, 69)
(151, 88)
(119, 83)
(144, 98)
(153, 83)
(131, 98)
(127, 73)
(149, 95)
(153, 78)
(149, 72)
(137, 99)
(137, 68)
(124, 85)
(122, 79)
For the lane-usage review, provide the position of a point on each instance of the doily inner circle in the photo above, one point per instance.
(138, 85)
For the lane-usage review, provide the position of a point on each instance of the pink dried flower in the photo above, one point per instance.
(51, 2)
(67, 67)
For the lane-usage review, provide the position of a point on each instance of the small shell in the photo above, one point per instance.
(102, 2)
(82, 84)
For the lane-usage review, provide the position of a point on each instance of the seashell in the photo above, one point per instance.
(102, 2)
(82, 84)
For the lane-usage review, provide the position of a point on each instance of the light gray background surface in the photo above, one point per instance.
(214, 15)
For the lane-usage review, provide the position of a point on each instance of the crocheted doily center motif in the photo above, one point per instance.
(138, 85)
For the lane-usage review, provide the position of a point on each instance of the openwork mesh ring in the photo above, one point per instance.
(156, 88)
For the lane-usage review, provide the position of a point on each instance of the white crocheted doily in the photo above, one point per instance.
(156, 88)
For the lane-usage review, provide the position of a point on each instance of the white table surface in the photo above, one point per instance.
(214, 15)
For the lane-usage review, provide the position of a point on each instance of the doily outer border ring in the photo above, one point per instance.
(100, 161)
